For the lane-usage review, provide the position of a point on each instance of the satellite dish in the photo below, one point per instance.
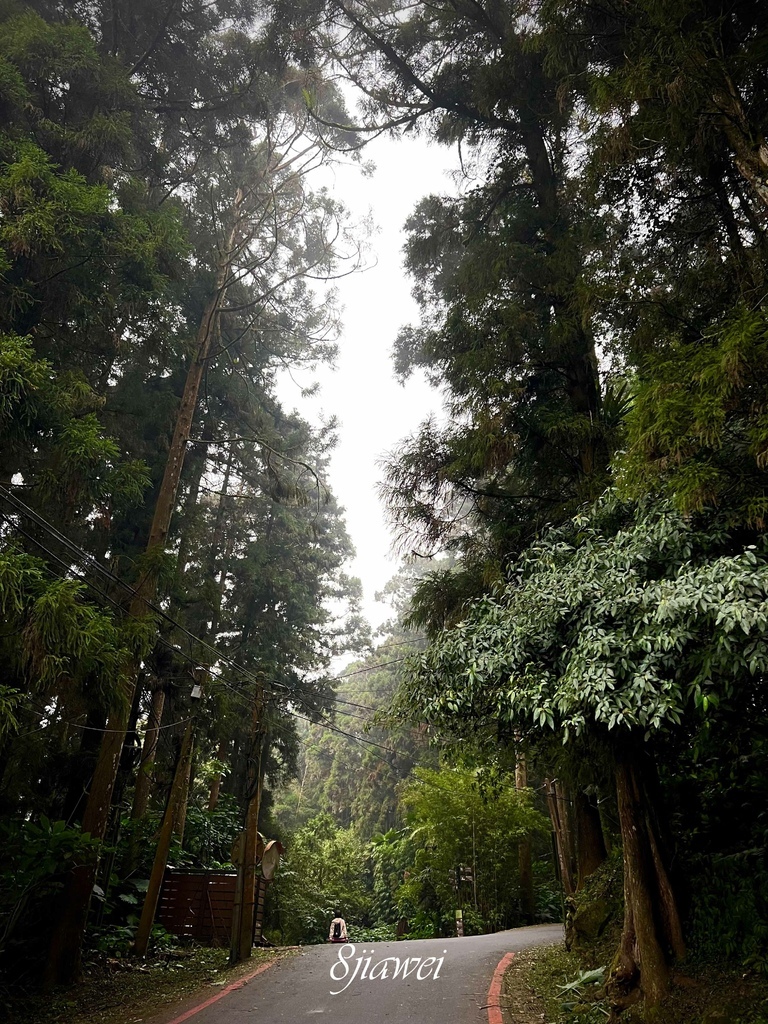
(271, 858)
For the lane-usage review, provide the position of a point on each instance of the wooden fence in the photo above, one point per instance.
(198, 905)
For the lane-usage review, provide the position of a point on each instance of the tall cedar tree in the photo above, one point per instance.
(507, 321)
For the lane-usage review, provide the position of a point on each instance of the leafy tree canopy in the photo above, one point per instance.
(627, 620)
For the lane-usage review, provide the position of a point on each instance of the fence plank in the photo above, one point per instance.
(198, 905)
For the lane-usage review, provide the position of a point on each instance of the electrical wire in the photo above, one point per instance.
(399, 643)
(94, 728)
(372, 668)
(352, 736)
(322, 723)
(114, 578)
(94, 564)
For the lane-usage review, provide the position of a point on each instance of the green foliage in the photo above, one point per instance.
(117, 940)
(53, 438)
(686, 82)
(697, 427)
(627, 621)
(615, 198)
(377, 933)
(209, 835)
(145, 157)
(347, 776)
(40, 205)
(548, 894)
(504, 276)
(324, 870)
(35, 858)
(579, 990)
(639, 224)
(55, 637)
(10, 699)
(455, 826)
(603, 889)
(391, 856)
(729, 916)
(566, 987)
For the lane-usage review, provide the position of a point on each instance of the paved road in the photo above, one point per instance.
(451, 989)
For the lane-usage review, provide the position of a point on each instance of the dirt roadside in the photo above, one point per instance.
(131, 990)
(520, 1004)
(703, 993)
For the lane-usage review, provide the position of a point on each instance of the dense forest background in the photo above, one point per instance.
(571, 695)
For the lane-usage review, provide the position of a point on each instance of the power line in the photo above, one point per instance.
(322, 723)
(351, 735)
(114, 578)
(104, 571)
(160, 638)
(93, 563)
(373, 668)
(399, 643)
(95, 728)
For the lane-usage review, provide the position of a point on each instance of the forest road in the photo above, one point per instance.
(420, 981)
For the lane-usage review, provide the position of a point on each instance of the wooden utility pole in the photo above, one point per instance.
(181, 817)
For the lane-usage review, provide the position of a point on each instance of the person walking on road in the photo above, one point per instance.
(338, 929)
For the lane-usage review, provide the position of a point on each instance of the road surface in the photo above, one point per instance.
(419, 981)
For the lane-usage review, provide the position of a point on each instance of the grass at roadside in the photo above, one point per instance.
(549, 985)
(130, 989)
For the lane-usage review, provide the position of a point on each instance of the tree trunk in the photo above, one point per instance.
(63, 965)
(245, 901)
(561, 826)
(170, 821)
(80, 767)
(651, 936)
(149, 749)
(590, 844)
(748, 144)
(580, 367)
(525, 852)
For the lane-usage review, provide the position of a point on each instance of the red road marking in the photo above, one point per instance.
(224, 992)
(493, 1002)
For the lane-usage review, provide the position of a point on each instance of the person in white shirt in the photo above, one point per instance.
(338, 929)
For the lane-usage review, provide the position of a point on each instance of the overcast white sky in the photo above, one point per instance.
(373, 410)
